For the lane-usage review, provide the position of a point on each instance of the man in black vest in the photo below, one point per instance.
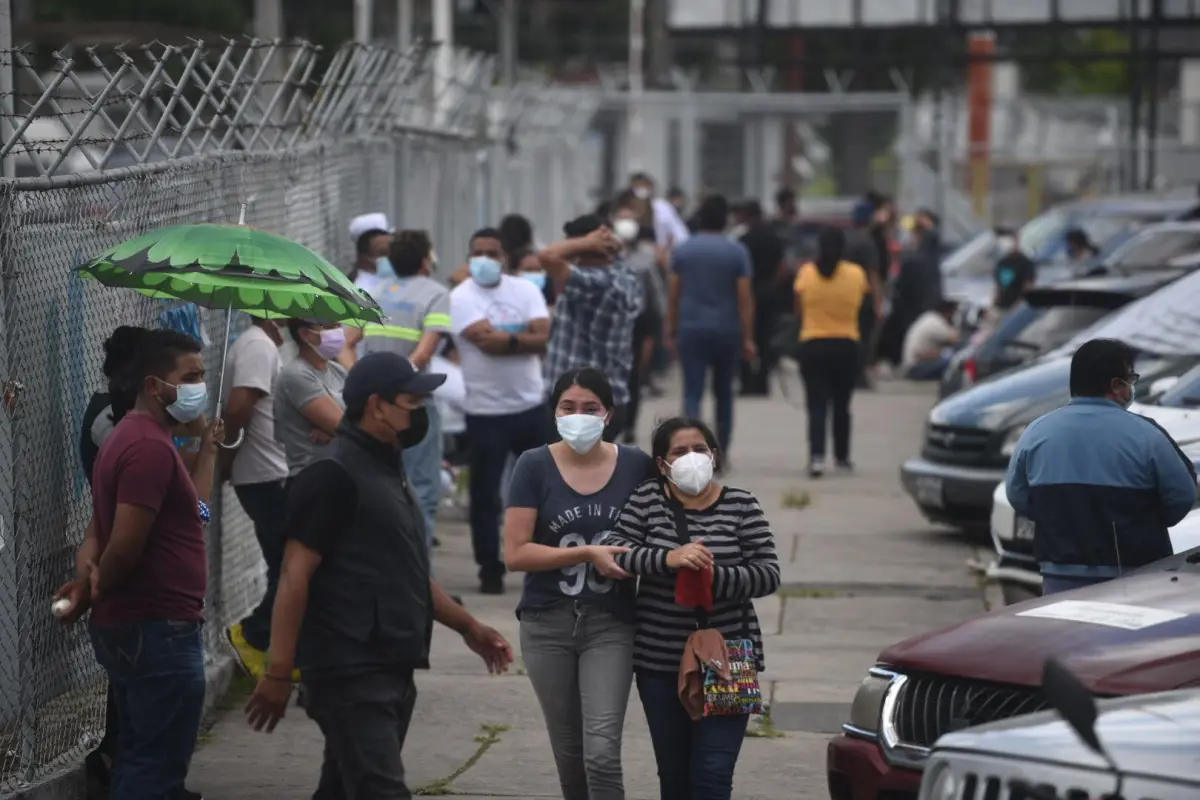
(355, 606)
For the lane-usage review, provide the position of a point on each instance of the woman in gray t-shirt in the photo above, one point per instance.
(576, 609)
(308, 392)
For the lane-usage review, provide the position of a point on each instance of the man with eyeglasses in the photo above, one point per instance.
(1101, 485)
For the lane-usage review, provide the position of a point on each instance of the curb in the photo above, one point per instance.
(70, 783)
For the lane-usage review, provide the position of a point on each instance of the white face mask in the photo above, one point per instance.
(581, 432)
(642, 193)
(626, 229)
(692, 472)
(1006, 245)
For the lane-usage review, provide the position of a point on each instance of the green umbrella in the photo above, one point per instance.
(234, 267)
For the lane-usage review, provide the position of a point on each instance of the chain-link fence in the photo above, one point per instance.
(100, 146)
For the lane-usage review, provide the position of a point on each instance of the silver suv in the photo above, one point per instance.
(1137, 748)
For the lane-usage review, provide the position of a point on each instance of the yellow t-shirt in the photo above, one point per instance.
(830, 305)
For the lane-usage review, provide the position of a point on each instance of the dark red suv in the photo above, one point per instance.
(1134, 635)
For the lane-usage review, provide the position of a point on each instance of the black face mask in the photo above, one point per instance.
(418, 429)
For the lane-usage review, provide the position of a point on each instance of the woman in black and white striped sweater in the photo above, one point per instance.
(727, 532)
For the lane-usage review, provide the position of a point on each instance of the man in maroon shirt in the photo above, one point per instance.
(143, 570)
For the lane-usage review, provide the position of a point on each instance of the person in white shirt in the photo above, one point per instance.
(669, 228)
(372, 236)
(929, 343)
(501, 326)
(258, 472)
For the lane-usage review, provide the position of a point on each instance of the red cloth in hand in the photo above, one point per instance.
(694, 588)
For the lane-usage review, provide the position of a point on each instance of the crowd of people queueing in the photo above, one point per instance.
(337, 444)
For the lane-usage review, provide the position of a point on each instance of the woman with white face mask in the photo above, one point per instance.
(576, 609)
(685, 522)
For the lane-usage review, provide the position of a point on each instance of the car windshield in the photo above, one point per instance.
(1155, 248)
(1057, 325)
(1166, 322)
(1185, 393)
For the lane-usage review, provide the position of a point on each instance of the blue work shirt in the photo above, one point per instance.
(708, 267)
(1101, 485)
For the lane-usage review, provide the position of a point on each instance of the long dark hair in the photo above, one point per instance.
(831, 247)
(120, 350)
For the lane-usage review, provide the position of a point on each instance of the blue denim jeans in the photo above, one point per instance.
(266, 506)
(493, 439)
(423, 465)
(695, 759)
(156, 671)
(720, 351)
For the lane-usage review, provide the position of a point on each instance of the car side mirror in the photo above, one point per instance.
(1074, 703)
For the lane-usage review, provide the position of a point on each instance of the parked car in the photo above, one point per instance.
(1048, 317)
(967, 272)
(1131, 636)
(1016, 571)
(1165, 245)
(970, 435)
(1151, 739)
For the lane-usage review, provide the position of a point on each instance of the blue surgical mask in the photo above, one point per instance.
(538, 279)
(190, 401)
(486, 271)
(384, 268)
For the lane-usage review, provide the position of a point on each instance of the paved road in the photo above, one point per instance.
(861, 570)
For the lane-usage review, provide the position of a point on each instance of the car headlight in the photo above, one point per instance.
(868, 701)
(940, 783)
(1010, 440)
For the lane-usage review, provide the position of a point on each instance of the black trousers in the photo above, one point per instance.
(867, 325)
(365, 721)
(829, 368)
(756, 378)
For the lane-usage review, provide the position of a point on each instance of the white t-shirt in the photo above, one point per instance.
(254, 363)
(931, 331)
(506, 384)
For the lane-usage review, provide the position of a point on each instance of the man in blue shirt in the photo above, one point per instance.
(1101, 485)
(710, 313)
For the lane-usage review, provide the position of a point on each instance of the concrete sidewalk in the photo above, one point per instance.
(861, 570)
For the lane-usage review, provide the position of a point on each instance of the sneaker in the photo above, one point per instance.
(252, 660)
(816, 467)
(491, 584)
(845, 466)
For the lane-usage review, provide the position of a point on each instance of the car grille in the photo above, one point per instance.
(952, 444)
(929, 706)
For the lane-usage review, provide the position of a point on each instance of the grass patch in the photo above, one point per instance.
(488, 735)
(797, 499)
(764, 728)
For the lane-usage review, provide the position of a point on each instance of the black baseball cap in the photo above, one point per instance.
(387, 375)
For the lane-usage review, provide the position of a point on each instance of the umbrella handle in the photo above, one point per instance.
(238, 443)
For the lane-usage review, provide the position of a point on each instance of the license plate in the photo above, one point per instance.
(929, 492)
(1023, 529)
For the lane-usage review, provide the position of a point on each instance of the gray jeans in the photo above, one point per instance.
(580, 661)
